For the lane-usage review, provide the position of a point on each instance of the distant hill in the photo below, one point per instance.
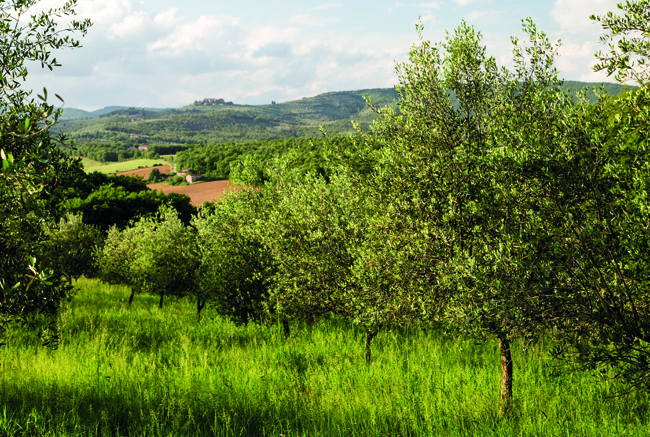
(214, 121)
(74, 114)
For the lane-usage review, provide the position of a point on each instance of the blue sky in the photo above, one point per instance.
(168, 53)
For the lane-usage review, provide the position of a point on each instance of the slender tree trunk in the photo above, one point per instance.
(506, 374)
(286, 328)
(131, 298)
(369, 336)
(162, 295)
(199, 306)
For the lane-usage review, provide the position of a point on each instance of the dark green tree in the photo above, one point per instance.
(629, 46)
(597, 219)
(236, 268)
(451, 174)
(31, 163)
(70, 246)
(157, 255)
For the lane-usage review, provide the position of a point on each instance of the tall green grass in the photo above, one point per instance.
(145, 372)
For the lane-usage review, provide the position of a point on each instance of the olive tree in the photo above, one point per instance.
(316, 233)
(235, 267)
(599, 242)
(31, 162)
(157, 255)
(115, 258)
(70, 247)
(628, 42)
(456, 171)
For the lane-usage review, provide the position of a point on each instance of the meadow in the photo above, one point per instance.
(88, 163)
(115, 167)
(149, 372)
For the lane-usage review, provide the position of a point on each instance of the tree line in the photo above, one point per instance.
(218, 160)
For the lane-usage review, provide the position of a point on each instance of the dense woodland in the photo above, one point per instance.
(218, 160)
(492, 205)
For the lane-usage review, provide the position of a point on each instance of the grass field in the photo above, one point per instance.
(88, 163)
(145, 372)
(115, 167)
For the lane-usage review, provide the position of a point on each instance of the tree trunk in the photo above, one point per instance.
(131, 298)
(286, 328)
(506, 374)
(199, 306)
(369, 336)
(162, 295)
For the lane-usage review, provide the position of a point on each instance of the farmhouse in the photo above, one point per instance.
(143, 148)
(192, 178)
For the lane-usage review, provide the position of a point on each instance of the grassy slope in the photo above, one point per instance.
(114, 167)
(89, 163)
(149, 372)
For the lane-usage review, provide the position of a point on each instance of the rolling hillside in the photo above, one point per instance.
(194, 124)
(209, 122)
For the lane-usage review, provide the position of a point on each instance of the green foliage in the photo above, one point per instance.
(629, 56)
(235, 265)
(70, 245)
(155, 175)
(31, 165)
(157, 255)
(115, 258)
(110, 205)
(105, 151)
(107, 200)
(218, 160)
(460, 177)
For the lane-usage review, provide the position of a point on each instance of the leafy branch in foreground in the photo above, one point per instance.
(32, 165)
(628, 55)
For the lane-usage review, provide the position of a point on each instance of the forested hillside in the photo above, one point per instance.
(217, 160)
(199, 124)
(214, 124)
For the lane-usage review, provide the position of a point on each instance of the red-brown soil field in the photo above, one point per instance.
(144, 172)
(199, 192)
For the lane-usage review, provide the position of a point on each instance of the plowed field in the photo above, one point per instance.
(144, 172)
(199, 193)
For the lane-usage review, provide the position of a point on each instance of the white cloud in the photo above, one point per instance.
(468, 2)
(573, 15)
(492, 15)
(131, 24)
(328, 6)
(207, 33)
(311, 20)
(167, 18)
(429, 5)
(141, 57)
(573, 57)
(429, 18)
(104, 12)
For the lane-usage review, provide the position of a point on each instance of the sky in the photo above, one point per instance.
(169, 53)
